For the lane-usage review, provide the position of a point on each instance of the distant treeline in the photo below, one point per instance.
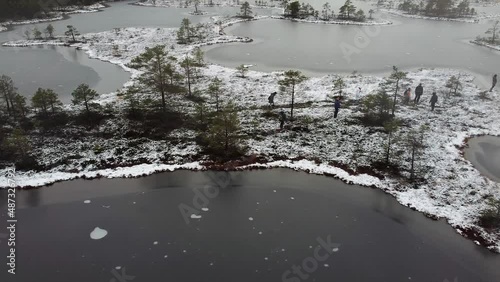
(29, 9)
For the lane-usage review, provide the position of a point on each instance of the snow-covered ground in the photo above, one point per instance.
(56, 15)
(473, 19)
(454, 190)
(190, 4)
(33, 42)
(341, 22)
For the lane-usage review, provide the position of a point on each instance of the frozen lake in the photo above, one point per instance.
(484, 153)
(257, 227)
(313, 48)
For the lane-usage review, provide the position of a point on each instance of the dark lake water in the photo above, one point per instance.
(375, 238)
(484, 153)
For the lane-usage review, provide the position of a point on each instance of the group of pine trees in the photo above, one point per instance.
(29, 9)
(346, 12)
(171, 79)
(438, 8)
(49, 33)
(379, 109)
(493, 33)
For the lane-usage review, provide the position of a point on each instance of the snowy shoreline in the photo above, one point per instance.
(339, 22)
(484, 44)
(455, 189)
(60, 14)
(474, 19)
(180, 4)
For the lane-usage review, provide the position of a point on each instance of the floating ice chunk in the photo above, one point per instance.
(250, 218)
(86, 202)
(155, 242)
(335, 250)
(98, 233)
(194, 216)
(204, 209)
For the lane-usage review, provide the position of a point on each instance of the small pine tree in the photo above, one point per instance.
(454, 85)
(291, 80)
(72, 32)
(390, 127)
(415, 141)
(224, 139)
(495, 33)
(376, 108)
(199, 57)
(396, 76)
(37, 34)
(338, 86)
(242, 70)
(17, 144)
(83, 95)
(245, 10)
(45, 99)
(215, 91)
(49, 31)
(188, 65)
(159, 72)
(27, 34)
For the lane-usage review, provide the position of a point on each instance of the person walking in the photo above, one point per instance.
(434, 100)
(337, 107)
(282, 117)
(407, 96)
(494, 82)
(271, 99)
(419, 90)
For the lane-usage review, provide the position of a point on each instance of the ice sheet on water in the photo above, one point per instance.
(98, 233)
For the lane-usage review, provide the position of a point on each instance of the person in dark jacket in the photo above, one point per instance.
(337, 107)
(434, 100)
(418, 92)
(271, 99)
(282, 117)
(494, 82)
